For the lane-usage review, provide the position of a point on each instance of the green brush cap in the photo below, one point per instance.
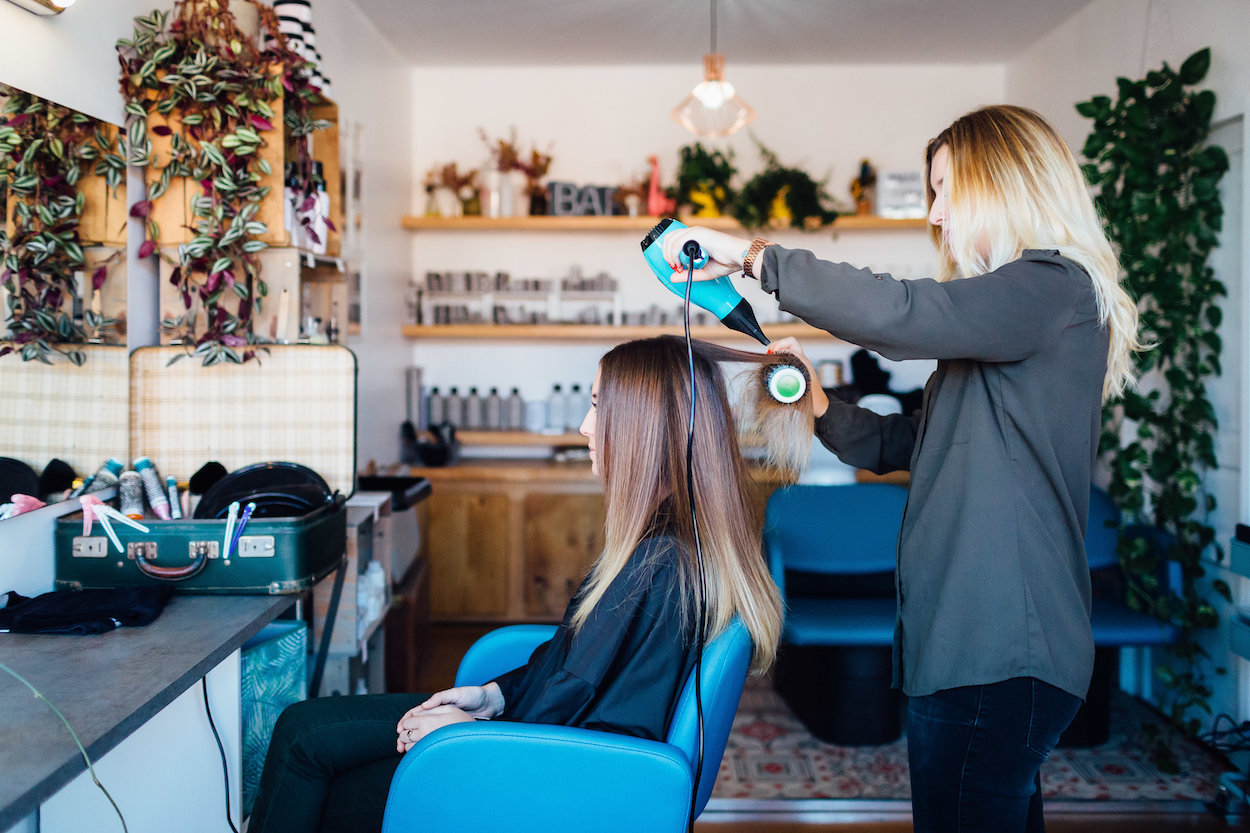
(786, 384)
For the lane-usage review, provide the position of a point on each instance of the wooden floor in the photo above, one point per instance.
(451, 641)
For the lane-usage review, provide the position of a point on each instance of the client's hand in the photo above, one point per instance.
(419, 722)
(790, 345)
(475, 700)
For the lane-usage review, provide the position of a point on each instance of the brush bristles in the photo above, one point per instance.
(784, 430)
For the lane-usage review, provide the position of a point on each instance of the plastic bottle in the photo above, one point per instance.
(320, 213)
(557, 408)
(473, 410)
(435, 408)
(579, 404)
(454, 408)
(514, 413)
(494, 411)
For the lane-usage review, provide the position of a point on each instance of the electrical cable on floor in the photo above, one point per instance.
(1236, 738)
(77, 742)
(225, 769)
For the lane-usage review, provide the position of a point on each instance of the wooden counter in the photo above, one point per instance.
(510, 540)
(107, 686)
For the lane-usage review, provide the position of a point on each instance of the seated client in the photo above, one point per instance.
(625, 647)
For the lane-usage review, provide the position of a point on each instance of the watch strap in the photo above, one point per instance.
(753, 251)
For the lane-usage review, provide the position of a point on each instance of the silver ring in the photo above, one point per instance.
(409, 735)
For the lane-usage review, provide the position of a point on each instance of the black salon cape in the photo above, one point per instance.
(624, 668)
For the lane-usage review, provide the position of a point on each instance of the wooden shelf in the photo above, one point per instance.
(604, 332)
(849, 222)
(525, 438)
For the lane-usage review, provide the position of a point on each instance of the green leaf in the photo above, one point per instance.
(1195, 67)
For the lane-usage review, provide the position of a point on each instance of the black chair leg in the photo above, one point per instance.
(841, 694)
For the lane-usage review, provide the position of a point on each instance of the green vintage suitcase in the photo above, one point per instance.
(297, 404)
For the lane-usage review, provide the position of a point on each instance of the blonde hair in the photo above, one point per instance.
(1012, 184)
(643, 417)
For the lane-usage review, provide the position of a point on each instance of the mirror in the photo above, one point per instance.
(64, 378)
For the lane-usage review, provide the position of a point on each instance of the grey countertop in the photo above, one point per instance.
(107, 686)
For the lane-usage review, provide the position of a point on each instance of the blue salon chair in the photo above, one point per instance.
(1114, 623)
(530, 778)
(832, 551)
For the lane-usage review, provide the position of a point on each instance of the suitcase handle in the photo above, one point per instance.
(173, 573)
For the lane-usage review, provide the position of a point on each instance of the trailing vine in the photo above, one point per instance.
(45, 150)
(195, 79)
(1157, 183)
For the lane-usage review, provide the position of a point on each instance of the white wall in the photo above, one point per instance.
(601, 124)
(1081, 59)
(70, 58)
(372, 84)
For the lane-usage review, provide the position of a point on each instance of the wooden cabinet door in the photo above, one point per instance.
(466, 537)
(563, 536)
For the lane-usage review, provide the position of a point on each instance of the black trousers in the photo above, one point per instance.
(330, 765)
(976, 755)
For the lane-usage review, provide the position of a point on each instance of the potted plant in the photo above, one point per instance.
(498, 191)
(1156, 178)
(703, 181)
(782, 196)
(535, 168)
(45, 152)
(201, 101)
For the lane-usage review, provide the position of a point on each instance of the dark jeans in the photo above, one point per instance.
(976, 755)
(330, 765)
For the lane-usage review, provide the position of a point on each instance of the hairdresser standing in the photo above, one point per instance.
(1031, 330)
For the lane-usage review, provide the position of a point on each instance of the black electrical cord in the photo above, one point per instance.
(692, 252)
(225, 769)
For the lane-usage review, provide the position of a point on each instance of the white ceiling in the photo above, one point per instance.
(535, 32)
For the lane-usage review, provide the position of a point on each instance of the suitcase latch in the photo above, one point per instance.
(256, 546)
(90, 547)
(210, 549)
(141, 549)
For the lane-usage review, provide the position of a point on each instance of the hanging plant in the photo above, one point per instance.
(45, 150)
(196, 82)
(786, 193)
(1157, 182)
(703, 181)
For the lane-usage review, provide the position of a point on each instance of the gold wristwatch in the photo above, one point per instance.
(753, 251)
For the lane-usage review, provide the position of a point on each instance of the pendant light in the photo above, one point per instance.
(713, 108)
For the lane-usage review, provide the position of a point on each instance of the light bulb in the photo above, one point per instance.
(713, 94)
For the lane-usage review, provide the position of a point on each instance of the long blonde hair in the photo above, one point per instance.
(643, 417)
(1012, 184)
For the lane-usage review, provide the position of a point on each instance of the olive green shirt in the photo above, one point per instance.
(992, 578)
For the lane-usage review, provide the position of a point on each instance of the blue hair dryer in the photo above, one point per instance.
(717, 296)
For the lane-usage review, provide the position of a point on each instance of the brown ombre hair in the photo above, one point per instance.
(1013, 184)
(643, 411)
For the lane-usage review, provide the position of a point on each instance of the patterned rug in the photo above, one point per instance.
(772, 756)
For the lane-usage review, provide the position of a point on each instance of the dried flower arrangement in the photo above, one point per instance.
(45, 150)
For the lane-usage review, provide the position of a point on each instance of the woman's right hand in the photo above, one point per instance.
(790, 345)
(475, 700)
(724, 252)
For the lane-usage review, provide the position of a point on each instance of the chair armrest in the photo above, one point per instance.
(524, 777)
(500, 651)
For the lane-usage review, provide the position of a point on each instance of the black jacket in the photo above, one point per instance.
(624, 668)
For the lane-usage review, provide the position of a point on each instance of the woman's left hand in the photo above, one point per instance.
(419, 722)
